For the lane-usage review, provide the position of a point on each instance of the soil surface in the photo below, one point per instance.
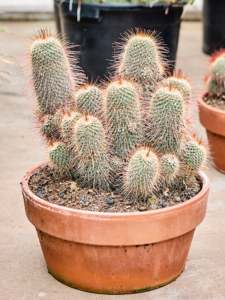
(47, 184)
(216, 101)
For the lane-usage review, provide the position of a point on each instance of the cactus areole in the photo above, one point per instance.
(132, 136)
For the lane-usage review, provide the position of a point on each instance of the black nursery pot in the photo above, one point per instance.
(101, 25)
(213, 25)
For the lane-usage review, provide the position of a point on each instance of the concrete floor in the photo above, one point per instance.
(23, 271)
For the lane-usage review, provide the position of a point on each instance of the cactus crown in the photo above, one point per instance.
(106, 137)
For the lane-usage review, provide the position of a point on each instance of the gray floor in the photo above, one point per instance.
(22, 268)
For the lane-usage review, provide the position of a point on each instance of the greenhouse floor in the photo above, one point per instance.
(23, 271)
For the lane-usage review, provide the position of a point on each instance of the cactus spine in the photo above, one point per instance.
(90, 145)
(123, 116)
(142, 174)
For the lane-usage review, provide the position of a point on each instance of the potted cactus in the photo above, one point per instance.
(212, 108)
(95, 25)
(117, 204)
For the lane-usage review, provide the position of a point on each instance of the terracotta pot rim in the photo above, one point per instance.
(41, 202)
(200, 101)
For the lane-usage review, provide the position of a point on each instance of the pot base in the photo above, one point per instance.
(217, 146)
(113, 269)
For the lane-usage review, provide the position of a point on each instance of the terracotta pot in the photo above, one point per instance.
(214, 121)
(115, 253)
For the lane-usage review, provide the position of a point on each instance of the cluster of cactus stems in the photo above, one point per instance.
(215, 81)
(132, 134)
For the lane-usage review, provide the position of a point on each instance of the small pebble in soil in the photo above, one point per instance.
(87, 203)
(62, 195)
(142, 208)
(55, 179)
(45, 181)
(109, 201)
(153, 206)
(43, 192)
(109, 209)
(39, 194)
(36, 173)
(164, 204)
(49, 198)
(82, 198)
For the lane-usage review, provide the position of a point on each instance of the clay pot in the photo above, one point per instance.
(214, 121)
(115, 253)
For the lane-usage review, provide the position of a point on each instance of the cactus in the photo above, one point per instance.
(181, 83)
(123, 116)
(194, 154)
(90, 146)
(52, 77)
(214, 87)
(142, 58)
(217, 66)
(215, 81)
(123, 138)
(49, 126)
(171, 167)
(66, 125)
(142, 174)
(167, 120)
(90, 101)
(60, 157)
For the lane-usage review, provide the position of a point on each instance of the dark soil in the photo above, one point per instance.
(216, 101)
(47, 184)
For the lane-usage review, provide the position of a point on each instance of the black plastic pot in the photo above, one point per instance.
(213, 25)
(101, 25)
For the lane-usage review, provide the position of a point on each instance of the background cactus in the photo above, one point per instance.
(216, 80)
(123, 138)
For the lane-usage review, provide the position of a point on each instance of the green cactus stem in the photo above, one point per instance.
(170, 166)
(141, 58)
(89, 141)
(194, 155)
(142, 174)
(90, 101)
(167, 120)
(179, 82)
(66, 125)
(52, 77)
(123, 116)
(60, 157)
